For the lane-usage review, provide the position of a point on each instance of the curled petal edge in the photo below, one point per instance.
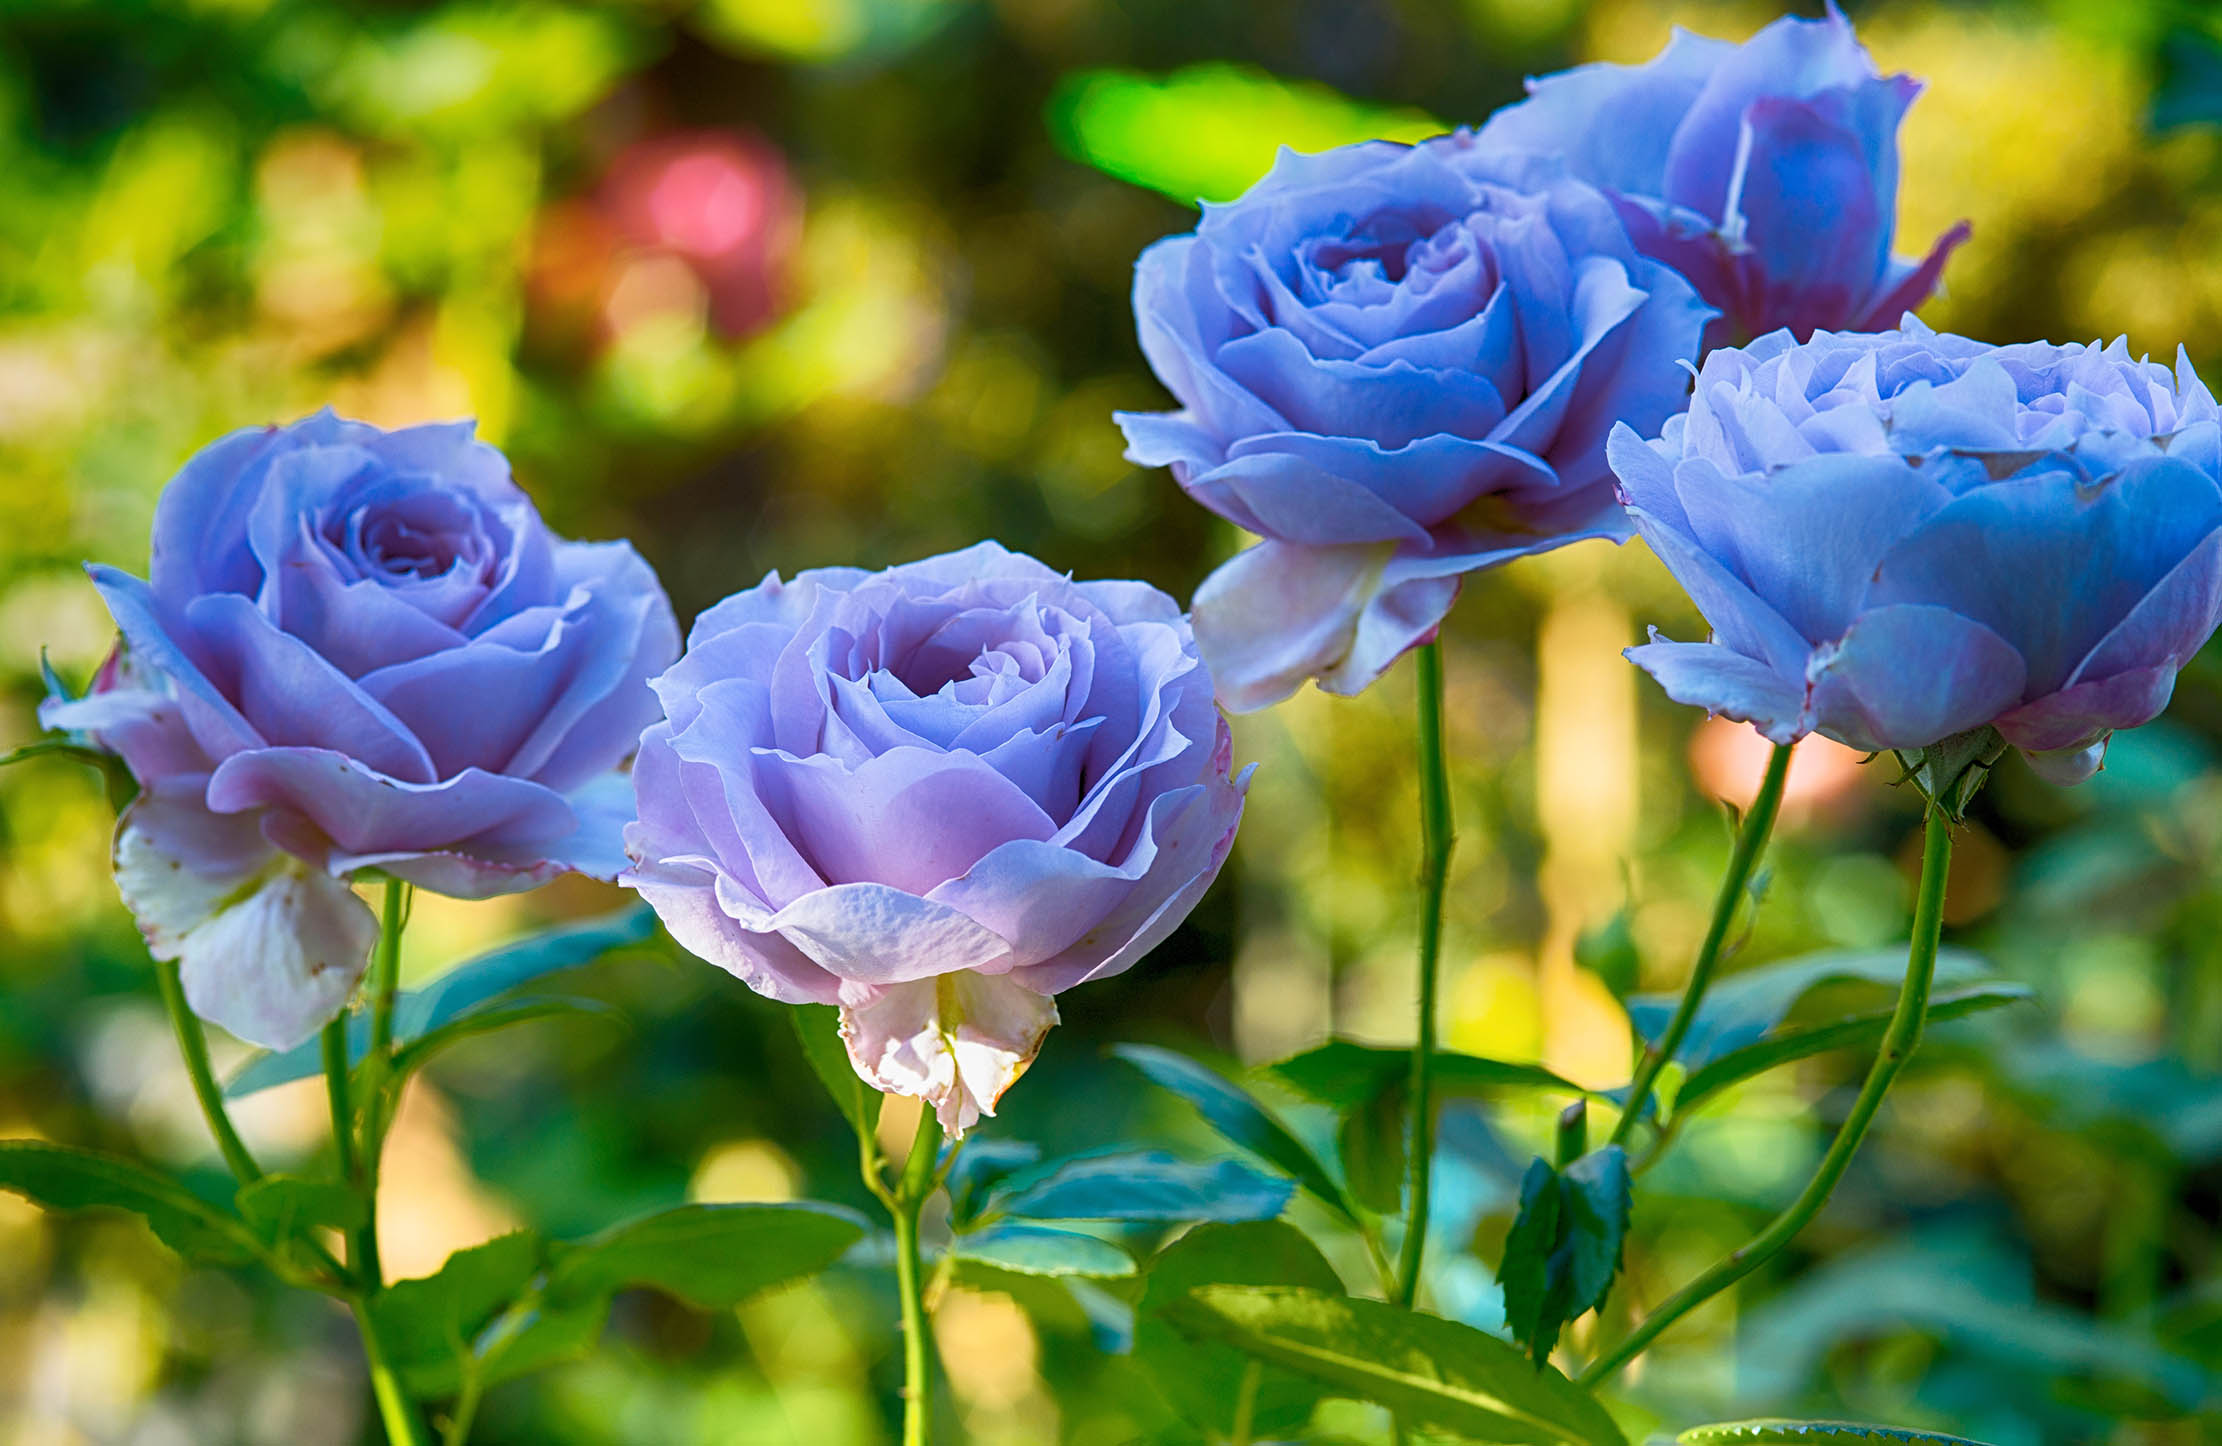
(955, 1041)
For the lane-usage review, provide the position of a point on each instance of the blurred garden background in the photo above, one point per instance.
(786, 283)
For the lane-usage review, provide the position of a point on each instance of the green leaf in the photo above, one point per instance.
(1795, 1433)
(1366, 1085)
(1210, 130)
(1609, 951)
(60, 1178)
(425, 1320)
(1565, 1245)
(477, 1317)
(1860, 1031)
(459, 991)
(978, 1169)
(710, 1256)
(532, 1335)
(1041, 1250)
(1427, 1371)
(1147, 1186)
(1234, 1113)
(1371, 1142)
(486, 1020)
(282, 1205)
(1201, 1379)
(818, 1026)
(1348, 1075)
(54, 743)
(1745, 1007)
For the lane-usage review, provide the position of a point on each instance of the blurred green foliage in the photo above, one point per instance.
(783, 283)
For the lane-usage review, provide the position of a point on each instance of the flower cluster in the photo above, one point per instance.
(939, 795)
(936, 796)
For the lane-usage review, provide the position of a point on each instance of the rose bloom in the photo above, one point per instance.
(1396, 365)
(1902, 537)
(1767, 172)
(936, 796)
(358, 650)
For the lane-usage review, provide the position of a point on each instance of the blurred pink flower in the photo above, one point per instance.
(723, 203)
(715, 212)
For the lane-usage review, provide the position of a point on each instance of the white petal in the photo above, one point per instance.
(278, 965)
(957, 1041)
(176, 863)
(266, 947)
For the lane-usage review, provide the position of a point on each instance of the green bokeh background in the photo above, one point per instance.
(218, 213)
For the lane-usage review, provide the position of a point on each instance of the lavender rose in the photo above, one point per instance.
(1903, 537)
(358, 649)
(935, 796)
(1396, 364)
(1767, 172)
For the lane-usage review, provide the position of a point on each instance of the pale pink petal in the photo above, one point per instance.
(957, 1041)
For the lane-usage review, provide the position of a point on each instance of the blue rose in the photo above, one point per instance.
(359, 649)
(1396, 365)
(1766, 172)
(1902, 537)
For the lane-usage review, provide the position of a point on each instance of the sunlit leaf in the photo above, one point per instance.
(1207, 132)
(1859, 1031)
(478, 1317)
(1146, 1186)
(1345, 1075)
(1234, 1113)
(1744, 1007)
(60, 1178)
(1797, 1433)
(1203, 1378)
(1043, 1250)
(459, 991)
(1427, 1371)
(711, 1256)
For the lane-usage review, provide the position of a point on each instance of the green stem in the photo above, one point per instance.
(1751, 842)
(908, 1198)
(193, 1044)
(385, 975)
(1246, 1405)
(385, 983)
(1435, 845)
(1899, 1042)
(404, 1427)
(335, 1092)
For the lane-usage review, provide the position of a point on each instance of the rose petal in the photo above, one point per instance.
(265, 947)
(957, 1042)
(1726, 684)
(1908, 674)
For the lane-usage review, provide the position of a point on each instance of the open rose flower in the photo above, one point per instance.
(1767, 173)
(935, 796)
(1903, 537)
(1396, 365)
(358, 649)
